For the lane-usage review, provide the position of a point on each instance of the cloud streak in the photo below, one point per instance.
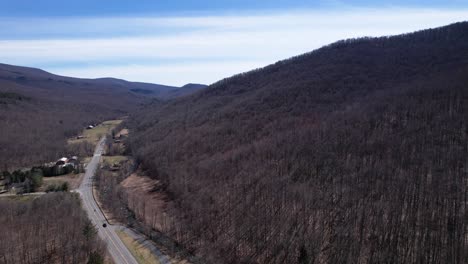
(177, 50)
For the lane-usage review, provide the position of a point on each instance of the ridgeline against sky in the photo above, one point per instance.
(186, 41)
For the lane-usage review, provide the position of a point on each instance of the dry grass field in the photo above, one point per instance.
(93, 135)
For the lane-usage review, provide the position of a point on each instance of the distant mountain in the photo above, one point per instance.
(353, 153)
(185, 90)
(56, 107)
(40, 79)
(194, 86)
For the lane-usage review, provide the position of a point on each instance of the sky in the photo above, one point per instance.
(179, 42)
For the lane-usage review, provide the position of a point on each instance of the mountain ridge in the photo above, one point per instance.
(58, 107)
(324, 152)
(22, 73)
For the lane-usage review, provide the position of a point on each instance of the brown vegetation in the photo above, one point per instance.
(354, 153)
(146, 202)
(110, 192)
(137, 201)
(72, 179)
(49, 229)
(39, 111)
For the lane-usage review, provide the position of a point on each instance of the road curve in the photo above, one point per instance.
(117, 250)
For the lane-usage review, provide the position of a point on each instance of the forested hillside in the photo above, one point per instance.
(39, 110)
(354, 153)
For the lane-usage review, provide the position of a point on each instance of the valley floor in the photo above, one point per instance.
(124, 245)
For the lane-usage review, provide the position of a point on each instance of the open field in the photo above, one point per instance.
(93, 135)
(20, 198)
(141, 253)
(73, 180)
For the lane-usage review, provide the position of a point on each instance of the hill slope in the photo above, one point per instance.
(39, 110)
(186, 90)
(43, 81)
(353, 153)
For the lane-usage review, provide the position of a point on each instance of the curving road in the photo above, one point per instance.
(115, 247)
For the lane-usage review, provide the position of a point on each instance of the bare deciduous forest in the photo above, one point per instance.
(39, 111)
(49, 229)
(353, 153)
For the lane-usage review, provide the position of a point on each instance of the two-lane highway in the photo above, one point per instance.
(115, 246)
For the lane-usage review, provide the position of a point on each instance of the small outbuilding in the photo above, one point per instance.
(61, 161)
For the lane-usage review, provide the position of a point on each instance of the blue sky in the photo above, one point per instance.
(176, 42)
(128, 7)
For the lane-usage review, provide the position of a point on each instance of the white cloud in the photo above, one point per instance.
(212, 47)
